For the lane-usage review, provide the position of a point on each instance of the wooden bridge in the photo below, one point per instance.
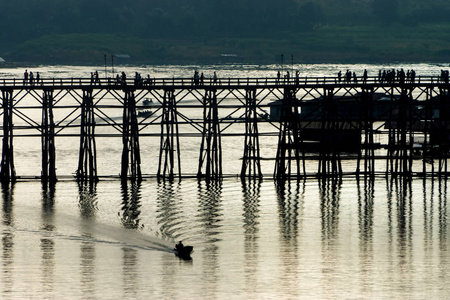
(313, 118)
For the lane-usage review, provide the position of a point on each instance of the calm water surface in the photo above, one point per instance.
(312, 239)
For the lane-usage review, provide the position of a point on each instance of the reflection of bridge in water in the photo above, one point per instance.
(403, 123)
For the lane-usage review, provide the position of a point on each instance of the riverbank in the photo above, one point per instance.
(323, 44)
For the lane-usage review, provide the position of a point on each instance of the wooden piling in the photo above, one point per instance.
(48, 138)
(210, 159)
(329, 153)
(169, 140)
(366, 155)
(131, 157)
(289, 140)
(401, 135)
(7, 171)
(251, 160)
(87, 162)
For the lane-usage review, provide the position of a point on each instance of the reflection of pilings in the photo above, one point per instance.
(170, 141)
(87, 267)
(7, 190)
(401, 136)
(251, 190)
(48, 138)
(251, 161)
(131, 205)
(288, 139)
(48, 203)
(288, 204)
(131, 158)
(169, 215)
(210, 208)
(7, 171)
(443, 214)
(87, 203)
(365, 212)
(404, 215)
(329, 156)
(330, 194)
(87, 162)
(367, 153)
(7, 238)
(47, 242)
(130, 273)
(211, 147)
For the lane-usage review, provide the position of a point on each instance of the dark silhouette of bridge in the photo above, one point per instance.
(401, 122)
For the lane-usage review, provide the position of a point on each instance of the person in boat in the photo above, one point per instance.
(179, 246)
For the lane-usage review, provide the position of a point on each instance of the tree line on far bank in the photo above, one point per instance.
(27, 20)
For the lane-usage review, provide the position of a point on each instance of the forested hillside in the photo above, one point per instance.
(153, 31)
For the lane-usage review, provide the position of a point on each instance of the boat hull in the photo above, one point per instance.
(184, 253)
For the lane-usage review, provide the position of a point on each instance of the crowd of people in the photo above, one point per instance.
(384, 76)
(392, 76)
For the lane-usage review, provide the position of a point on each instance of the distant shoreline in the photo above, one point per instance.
(325, 44)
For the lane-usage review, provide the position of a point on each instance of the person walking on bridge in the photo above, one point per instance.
(25, 77)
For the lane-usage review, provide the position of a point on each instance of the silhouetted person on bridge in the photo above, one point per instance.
(401, 76)
(196, 78)
(31, 78)
(25, 77)
(124, 78)
(149, 80)
(97, 80)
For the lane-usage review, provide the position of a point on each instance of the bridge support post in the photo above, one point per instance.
(251, 161)
(401, 136)
(170, 141)
(87, 162)
(131, 157)
(329, 156)
(211, 147)
(289, 138)
(7, 171)
(442, 134)
(48, 138)
(367, 153)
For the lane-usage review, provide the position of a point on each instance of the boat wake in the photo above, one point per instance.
(78, 229)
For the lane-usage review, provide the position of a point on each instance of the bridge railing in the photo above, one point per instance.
(190, 82)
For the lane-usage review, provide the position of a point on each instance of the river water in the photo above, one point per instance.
(308, 239)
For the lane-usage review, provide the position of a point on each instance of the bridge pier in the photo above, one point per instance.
(131, 158)
(289, 142)
(211, 148)
(7, 171)
(170, 141)
(441, 133)
(87, 162)
(367, 153)
(48, 138)
(251, 161)
(401, 135)
(329, 155)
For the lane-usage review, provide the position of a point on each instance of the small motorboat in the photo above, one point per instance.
(182, 251)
